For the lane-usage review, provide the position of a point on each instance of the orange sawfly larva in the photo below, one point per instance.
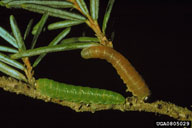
(79, 94)
(127, 72)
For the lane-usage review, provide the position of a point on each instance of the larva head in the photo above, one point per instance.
(37, 84)
(85, 53)
(93, 52)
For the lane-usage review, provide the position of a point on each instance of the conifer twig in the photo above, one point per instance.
(93, 24)
(132, 103)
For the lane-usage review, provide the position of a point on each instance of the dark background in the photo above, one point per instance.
(154, 36)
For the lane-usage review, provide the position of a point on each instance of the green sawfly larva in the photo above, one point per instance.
(78, 94)
(126, 71)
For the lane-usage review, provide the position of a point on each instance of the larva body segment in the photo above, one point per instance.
(78, 94)
(127, 72)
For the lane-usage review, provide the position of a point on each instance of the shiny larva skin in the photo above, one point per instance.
(78, 94)
(127, 72)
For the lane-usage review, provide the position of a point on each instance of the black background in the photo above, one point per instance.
(154, 36)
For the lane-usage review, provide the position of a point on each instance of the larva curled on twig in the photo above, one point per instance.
(127, 72)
